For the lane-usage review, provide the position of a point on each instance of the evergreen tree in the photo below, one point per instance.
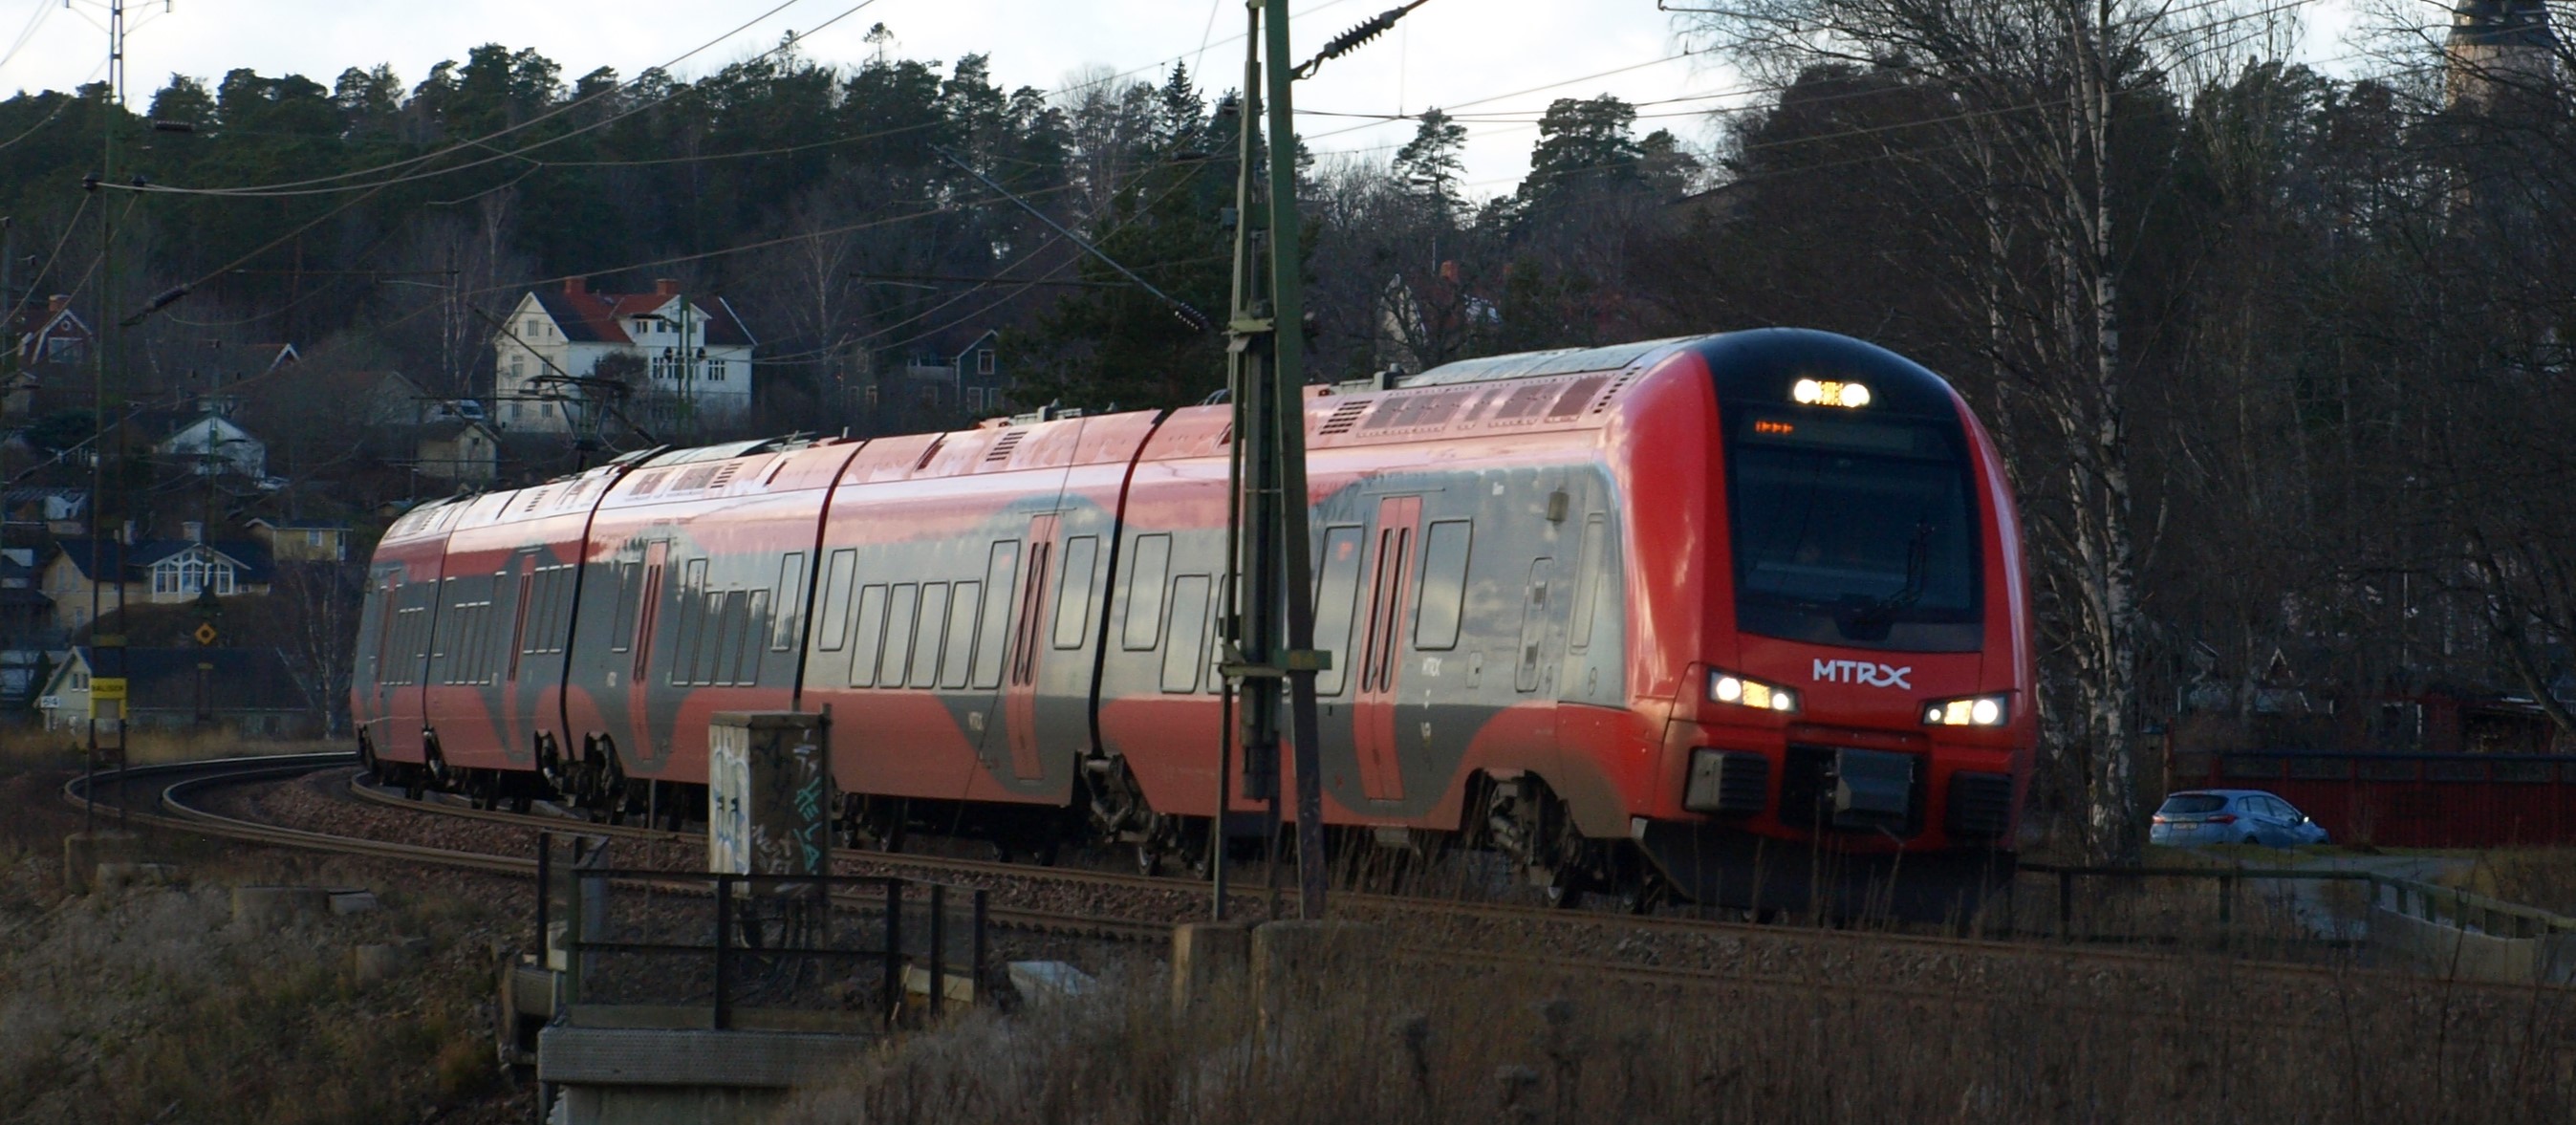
(1430, 164)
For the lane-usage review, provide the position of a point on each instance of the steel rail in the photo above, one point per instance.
(1412, 907)
(176, 813)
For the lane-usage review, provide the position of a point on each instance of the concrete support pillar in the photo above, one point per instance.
(1296, 963)
(83, 852)
(1209, 963)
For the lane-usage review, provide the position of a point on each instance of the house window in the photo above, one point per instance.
(314, 539)
(547, 409)
(515, 415)
(715, 370)
(984, 362)
(518, 367)
(870, 395)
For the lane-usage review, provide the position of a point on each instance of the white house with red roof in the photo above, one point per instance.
(694, 349)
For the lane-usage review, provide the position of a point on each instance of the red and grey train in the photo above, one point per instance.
(1739, 616)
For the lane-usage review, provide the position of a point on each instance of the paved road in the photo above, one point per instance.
(2307, 898)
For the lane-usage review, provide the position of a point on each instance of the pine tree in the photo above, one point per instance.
(1430, 166)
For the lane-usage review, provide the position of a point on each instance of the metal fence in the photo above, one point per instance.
(652, 947)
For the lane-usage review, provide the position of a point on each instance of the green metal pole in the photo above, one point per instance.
(1288, 413)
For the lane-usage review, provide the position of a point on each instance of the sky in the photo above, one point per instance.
(1504, 58)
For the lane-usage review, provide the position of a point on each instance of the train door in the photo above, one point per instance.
(1026, 648)
(1380, 655)
(406, 661)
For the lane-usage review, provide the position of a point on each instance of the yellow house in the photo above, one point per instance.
(155, 571)
(303, 540)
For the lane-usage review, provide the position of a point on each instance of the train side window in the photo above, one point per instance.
(1587, 582)
(1145, 592)
(992, 641)
(692, 596)
(717, 635)
(867, 635)
(788, 602)
(1189, 633)
(443, 633)
(746, 655)
(648, 608)
(903, 604)
(621, 636)
(958, 640)
(1337, 592)
(926, 635)
(1073, 591)
(833, 625)
(1533, 627)
(733, 627)
(1444, 585)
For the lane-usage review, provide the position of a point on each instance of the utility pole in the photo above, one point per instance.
(1272, 661)
(107, 652)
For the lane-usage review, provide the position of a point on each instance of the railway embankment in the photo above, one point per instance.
(223, 984)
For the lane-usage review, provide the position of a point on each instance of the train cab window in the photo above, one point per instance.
(958, 641)
(1444, 585)
(1001, 577)
(1073, 590)
(926, 635)
(1145, 592)
(833, 626)
(1854, 531)
(1336, 597)
(903, 606)
(1587, 582)
(1181, 659)
(788, 601)
(869, 633)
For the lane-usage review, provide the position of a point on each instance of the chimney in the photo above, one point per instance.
(666, 287)
(55, 304)
(576, 286)
(192, 530)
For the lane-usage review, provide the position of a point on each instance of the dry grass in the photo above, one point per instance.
(1383, 1039)
(2538, 877)
(151, 1005)
(26, 746)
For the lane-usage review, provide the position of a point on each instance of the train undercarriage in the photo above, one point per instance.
(1518, 830)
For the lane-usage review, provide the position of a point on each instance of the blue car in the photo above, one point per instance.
(2196, 817)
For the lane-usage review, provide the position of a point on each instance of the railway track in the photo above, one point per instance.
(1520, 927)
(171, 791)
(1535, 939)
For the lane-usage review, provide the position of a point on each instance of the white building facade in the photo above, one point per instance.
(694, 352)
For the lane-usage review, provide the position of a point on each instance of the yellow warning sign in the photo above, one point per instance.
(107, 687)
(206, 634)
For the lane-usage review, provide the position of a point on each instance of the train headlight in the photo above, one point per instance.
(1968, 711)
(1827, 392)
(1744, 691)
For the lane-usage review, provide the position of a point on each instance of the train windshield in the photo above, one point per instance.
(1854, 531)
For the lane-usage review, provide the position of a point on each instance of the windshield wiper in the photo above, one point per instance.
(1870, 619)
